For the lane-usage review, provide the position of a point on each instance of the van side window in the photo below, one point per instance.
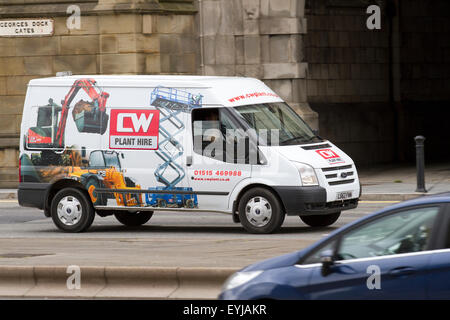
(217, 136)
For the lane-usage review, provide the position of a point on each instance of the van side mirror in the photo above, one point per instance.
(316, 132)
(327, 260)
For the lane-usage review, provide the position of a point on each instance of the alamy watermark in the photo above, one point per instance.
(374, 280)
(374, 20)
(74, 280)
(73, 22)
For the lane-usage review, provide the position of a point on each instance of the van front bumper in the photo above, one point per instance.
(311, 201)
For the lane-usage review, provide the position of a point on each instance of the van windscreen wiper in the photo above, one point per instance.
(292, 139)
(303, 139)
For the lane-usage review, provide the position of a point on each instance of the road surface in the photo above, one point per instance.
(169, 239)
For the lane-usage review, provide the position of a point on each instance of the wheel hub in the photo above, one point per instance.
(69, 210)
(258, 211)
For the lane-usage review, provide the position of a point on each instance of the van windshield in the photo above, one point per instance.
(279, 116)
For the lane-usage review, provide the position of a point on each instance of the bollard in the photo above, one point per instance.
(420, 163)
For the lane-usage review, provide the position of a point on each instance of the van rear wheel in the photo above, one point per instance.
(260, 211)
(133, 219)
(321, 220)
(72, 210)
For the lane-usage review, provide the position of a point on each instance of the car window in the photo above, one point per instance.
(402, 232)
(315, 256)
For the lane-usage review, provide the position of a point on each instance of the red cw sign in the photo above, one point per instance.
(331, 156)
(135, 129)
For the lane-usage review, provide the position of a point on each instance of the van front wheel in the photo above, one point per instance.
(260, 211)
(321, 220)
(133, 219)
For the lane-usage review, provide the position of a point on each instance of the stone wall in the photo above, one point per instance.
(261, 39)
(116, 37)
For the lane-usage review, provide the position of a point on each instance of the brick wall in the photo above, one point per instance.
(425, 74)
(425, 52)
(348, 79)
(372, 116)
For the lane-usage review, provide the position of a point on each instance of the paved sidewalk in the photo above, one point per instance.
(398, 182)
(8, 194)
(390, 182)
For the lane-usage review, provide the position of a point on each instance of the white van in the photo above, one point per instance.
(131, 145)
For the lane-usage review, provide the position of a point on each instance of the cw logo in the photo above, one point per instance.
(327, 153)
(143, 122)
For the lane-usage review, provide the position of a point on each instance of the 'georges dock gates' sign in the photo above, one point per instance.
(26, 28)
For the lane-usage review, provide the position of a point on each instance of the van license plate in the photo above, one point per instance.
(344, 195)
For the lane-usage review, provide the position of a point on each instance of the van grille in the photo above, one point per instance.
(337, 168)
(335, 183)
(317, 146)
(339, 175)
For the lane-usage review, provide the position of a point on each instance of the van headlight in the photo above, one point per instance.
(307, 174)
(239, 278)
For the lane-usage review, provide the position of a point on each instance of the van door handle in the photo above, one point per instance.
(402, 271)
(188, 161)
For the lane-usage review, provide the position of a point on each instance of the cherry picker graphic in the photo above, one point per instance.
(171, 103)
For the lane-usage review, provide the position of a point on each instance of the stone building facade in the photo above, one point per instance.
(116, 37)
(258, 38)
(370, 91)
(261, 39)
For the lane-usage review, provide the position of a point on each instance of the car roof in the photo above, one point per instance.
(434, 198)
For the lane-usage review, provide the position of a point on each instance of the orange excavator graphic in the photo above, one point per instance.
(55, 160)
(90, 117)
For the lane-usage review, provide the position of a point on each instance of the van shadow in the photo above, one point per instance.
(230, 230)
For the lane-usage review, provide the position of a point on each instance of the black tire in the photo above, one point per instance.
(273, 223)
(321, 220)
(81, 204)
(133, 219)
(100, 199)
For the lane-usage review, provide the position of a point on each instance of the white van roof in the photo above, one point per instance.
(228, 91)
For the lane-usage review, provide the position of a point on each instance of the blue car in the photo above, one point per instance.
(399, 252)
